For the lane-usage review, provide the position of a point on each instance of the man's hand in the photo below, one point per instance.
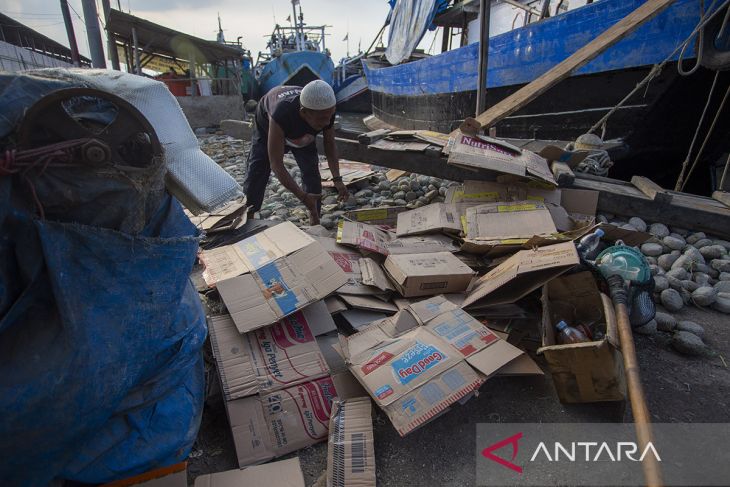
(310, 200)
(344, 195)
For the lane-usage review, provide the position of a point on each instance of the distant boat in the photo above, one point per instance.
(296, 55)
(656, 126)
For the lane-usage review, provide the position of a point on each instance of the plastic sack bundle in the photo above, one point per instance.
(101, 331)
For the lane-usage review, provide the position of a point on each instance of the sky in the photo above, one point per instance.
(254, 20)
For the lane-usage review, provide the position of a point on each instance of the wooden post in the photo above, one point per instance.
(484, 15)
(445, 39)
(651, 189)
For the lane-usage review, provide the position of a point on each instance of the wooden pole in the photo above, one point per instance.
(642, 418)
(445, 39)
(484, 16)
(70, 33)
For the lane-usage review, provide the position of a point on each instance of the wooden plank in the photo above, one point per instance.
(722, 196)
(579, 58)
(652, 189)
(562, 173)
(370, 137)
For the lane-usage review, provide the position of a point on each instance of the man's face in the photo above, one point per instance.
(317, 119)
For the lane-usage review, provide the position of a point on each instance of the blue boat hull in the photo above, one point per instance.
(295, 68)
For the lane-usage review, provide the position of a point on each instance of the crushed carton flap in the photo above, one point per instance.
(370, 238)
(428, 274)
(231, 216)
(505, 222)
(521, 274)
(271, 358)
(284, 473)
(374, 275)
(433, 218)
(350, 448)
(271, 425)
(349, 261)
(271, 275)
(369, 303)
(477, 192)
(494, 155)
(385, 216)
(426, 357)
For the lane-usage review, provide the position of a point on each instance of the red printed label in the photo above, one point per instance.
(376, 362)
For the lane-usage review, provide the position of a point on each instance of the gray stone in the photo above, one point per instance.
(686, 296)
(327, 223)
(691, 327)
(684, 262)
(415, 186)
(647, 329)
(704, 296)
(703, 268)
(724, 276)
(724, 243)
(673, 243)
(722, 303)
(638, 223)
(695, 237)
(386, 194)
(362, 201)
(651, 249)
(601, 219)
(384, 186)
(652, 263)
(330, 200)
(665, 321)
(660, 283)
(703, 243)
(400, 202)
(701, 278)
(713, 251)
(442, 191)
(694, 254)
(671, 300)
(665, 261)
(678, 273)
(722, 286)
(410, 196)
(423, 180)
(674, 283)
(720, 265)
(400, 195)
(659, 230)
(387, 202)
(688, 343)
(690, 285)
(682, 232)
(265, 213)
(431, 195)
(628, 226)
(364, 193)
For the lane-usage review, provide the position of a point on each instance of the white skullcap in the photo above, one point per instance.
(317, 95)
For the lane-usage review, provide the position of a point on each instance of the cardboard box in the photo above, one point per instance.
(477, 192)
(428, 356)
(506, 224)
(350, 449)
(582, 372)
(285, 473)
(433, 218)
(374, 275)
(369, 238)
(428, 274)
(387, 216)
(349, 261)
(271, 275)
(268, 359)
(485, 153)
(521, 274)
(270, 425)
(231, 216)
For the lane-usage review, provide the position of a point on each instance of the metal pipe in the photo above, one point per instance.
(517, 4)
(93, 32)
(111, 43)
(296, 29)
(485, 6)
(70, 33)
(137, 66)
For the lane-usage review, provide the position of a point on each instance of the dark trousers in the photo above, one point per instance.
(258, 169)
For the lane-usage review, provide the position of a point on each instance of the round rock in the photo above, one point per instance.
(691, 327)
(720, 265)
(659, 230)
(713, 251)
(660, 283)
(638, 223)
(672, 300)
(722, 303)
(695, 237)
(647, 329)
(694, 254)
(665, 261)
(702, 243)
(704, 296)
(678, 273)
(688, 343)
(665, 321)
(690, 285)
(722, 286)
(701, 278)
(400, 202)
(400, 195)
(411, 195)
(651, 249)
(673, 243)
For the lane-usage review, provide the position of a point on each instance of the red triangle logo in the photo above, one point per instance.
(512, 440)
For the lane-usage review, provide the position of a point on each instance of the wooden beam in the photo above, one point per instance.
(582, 56)
(652, 189)
(722, 196)
(564, 176)
(370, 137)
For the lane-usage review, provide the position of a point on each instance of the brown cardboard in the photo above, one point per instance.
(271, 275)
(521, 366)
(370, 238)
(271, 358)
(369, 303)
(349, 261)
(334, 305)
(477, 192)
(357, 318)
(582, 372)
(270, 425)
(425, 358)
(494, 155)
(433, 218)
(374, 275)
(386, 216)
(350, 448)
(284, 473)
(521, 274)
(231, 216)
(428, 274)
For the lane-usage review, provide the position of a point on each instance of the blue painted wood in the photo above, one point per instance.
(521, 55)
(281, 68)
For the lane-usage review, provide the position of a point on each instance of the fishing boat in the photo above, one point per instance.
(296, 55)
(437, 93)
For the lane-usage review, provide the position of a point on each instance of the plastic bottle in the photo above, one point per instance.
(568, 334)
(589, 244)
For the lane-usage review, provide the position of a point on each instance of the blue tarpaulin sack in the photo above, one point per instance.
(101, 335)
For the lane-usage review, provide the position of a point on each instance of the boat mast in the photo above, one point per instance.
(296, 29)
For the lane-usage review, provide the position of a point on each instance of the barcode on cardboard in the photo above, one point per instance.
(359, 460)
(449, 217)
(433, 285)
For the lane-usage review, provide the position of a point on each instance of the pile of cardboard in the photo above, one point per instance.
(414, 308)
